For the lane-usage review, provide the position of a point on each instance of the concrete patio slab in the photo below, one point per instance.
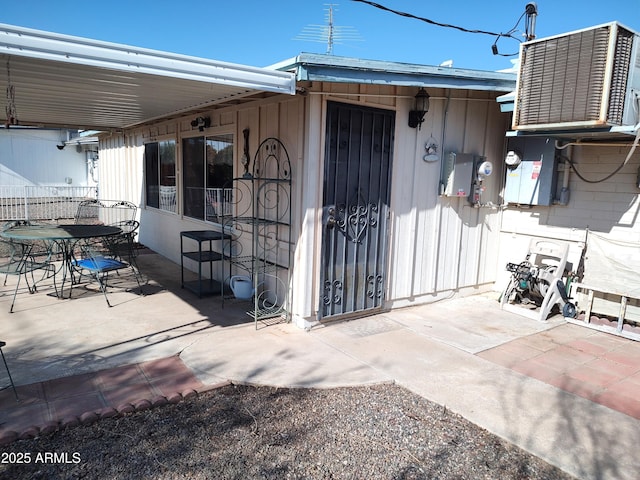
(501, 371)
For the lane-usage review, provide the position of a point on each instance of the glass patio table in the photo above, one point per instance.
(64, 236)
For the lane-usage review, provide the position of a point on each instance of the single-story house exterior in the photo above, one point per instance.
(397, 241)
(378, 214)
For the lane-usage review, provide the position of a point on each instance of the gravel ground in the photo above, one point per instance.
(241, 432)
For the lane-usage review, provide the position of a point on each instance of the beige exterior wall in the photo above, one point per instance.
(122, 162)
(444, 245)
(438, 246)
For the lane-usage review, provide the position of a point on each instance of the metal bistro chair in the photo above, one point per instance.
(99, 258)
(105, 211)
(25, 259)
(88, 211)
(124, 248)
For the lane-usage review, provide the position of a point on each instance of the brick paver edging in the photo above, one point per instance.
(92, 416)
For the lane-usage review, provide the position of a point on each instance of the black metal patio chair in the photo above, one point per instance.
(106, 212)
(24, 259)
(124, 248)
(100, 257)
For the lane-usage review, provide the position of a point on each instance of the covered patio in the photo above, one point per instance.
(49, 337)
(64, 81)
(56, 80)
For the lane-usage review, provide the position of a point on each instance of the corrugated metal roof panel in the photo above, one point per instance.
(72, 81)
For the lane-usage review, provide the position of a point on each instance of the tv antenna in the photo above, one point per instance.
(329, 33)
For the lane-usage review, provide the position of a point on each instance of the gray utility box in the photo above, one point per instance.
(457, 175)
(531, 180)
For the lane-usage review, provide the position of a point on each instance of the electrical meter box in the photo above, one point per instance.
(532, 169)
(457, 174)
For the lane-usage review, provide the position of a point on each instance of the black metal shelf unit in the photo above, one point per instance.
(259, 227)
(202, 286)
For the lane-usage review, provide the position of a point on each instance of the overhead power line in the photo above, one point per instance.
(530, 11)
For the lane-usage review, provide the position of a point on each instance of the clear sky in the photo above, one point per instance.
(260, 33)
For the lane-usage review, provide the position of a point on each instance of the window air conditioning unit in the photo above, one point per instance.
(584, 79)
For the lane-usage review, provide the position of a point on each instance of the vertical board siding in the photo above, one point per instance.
(437, 245)
(120, 168)
(122, 162)
(307, 187)
(445, 244)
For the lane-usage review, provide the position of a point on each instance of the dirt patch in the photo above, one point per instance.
(240, 432)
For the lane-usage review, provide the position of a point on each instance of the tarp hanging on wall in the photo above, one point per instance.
(612, 265)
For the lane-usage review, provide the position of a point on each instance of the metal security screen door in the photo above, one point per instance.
(357, 173)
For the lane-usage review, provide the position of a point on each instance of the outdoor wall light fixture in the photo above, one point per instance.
(421, 107)
(201, 123)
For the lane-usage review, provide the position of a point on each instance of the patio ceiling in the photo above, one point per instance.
(63, 81)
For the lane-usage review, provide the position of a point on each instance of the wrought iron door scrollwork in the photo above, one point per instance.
(356, 216)
(374, 286)
(332, 292)
(354, 221)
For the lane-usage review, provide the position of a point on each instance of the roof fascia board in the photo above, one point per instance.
(352, 70)
(25, 42)
(408, 80)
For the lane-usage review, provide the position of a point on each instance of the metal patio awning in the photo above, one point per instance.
(64, 81)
